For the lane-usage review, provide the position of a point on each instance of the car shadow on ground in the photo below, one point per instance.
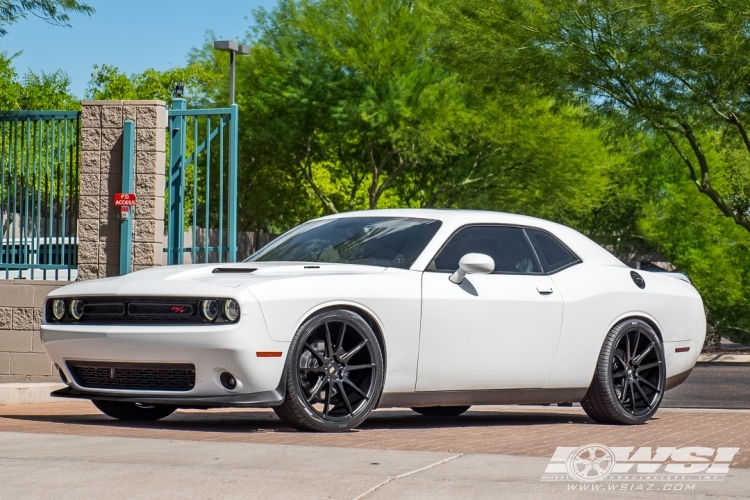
(239, 421)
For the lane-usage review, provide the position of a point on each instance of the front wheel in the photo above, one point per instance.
(334, 373)
(630, 377)
(135, 412)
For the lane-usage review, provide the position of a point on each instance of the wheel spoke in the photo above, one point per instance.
(329, 345)
(641, 379)
(359, 367)
(627, 348)
(340, 343)
(637, 360)
(315, 353)
(316, 389)
(637, 340)
(650, 365)
(643, 395)
(354, 386)
(344, 396)
(328, 399)
(624, 391)
(632, 398)
(312, 369)
(622, 362)
(347, 356)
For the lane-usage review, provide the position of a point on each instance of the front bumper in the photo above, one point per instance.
(212, 349)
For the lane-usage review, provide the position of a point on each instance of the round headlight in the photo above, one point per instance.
(209, 309)
(58, 309)
(75, 308)
(231, 310)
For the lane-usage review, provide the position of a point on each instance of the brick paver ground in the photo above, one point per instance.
(509, 430)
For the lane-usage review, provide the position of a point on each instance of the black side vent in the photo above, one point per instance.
(637, 279)
(233, 270)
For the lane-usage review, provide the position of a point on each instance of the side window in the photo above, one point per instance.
(551, 252)
(507, 246)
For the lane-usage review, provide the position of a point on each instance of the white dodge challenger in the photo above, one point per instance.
(433, 310)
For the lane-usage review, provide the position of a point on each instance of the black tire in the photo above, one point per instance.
(334, 373)
(134, 412)
(630, 377)
(441, 411)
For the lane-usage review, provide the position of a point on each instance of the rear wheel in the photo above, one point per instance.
(334, 373)
(630, 376)
(441, 411)
(133, 411)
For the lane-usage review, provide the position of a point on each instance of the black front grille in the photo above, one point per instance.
(139, 310)
(165, 310)
(113, 309)
(133, 376)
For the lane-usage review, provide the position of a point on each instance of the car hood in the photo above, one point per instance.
(207, 279)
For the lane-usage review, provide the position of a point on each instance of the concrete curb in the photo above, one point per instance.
(724, 358)
(16, 394)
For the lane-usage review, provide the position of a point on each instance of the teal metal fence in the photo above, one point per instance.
(39, 189)
(128, 186)
(202, 183)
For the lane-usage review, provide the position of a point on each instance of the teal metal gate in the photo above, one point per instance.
(39, 189)
(202, 184)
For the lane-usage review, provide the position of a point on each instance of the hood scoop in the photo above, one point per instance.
(234, 270)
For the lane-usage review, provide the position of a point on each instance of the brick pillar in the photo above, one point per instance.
(101, 178)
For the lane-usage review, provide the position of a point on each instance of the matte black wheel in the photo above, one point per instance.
(334, 373)
(441, 411)
(630, 376)
(134, 411)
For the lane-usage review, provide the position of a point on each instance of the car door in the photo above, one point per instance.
(492, 331)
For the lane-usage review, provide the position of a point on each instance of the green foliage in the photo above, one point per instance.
(109, 83)
(52, 11)
(670, 66)
(45, 91)
(344, 105)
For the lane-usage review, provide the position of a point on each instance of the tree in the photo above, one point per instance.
(34, 91)
(108, 82)
(52, 11)
(347, 102)
(670, 66)
(349, 87)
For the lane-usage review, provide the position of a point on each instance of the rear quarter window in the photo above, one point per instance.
(552, 254)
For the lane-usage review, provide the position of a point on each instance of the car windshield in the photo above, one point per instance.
(370, 241)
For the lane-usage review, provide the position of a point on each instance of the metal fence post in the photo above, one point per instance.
(177, 135)
(126, 225)
(233, 140)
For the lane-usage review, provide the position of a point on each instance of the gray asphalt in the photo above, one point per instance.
(713, 385)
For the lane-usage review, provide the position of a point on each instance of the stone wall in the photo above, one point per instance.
(101, 178)
(22, 358)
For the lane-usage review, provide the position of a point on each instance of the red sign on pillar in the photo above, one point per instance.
(125, 201)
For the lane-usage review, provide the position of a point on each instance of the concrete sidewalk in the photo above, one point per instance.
(42, 466)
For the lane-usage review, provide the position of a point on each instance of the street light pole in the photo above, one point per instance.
(233, 48)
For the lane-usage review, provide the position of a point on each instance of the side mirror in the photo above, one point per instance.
(473, 263)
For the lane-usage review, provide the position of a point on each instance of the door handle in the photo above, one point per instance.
(544, 290)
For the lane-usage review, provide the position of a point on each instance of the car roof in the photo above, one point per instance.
(443, 214)
(585, 248)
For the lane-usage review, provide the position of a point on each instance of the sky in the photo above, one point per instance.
(133, 35)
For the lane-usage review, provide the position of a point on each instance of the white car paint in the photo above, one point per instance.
(503, 333)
